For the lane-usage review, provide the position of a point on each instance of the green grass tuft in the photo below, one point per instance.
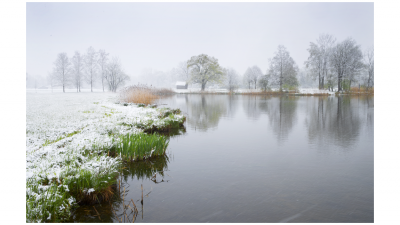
(140, 146)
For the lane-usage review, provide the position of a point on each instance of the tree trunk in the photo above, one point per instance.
(349, 84)
(281, 78)
(319, 80)
(322, 83)
(203, 86)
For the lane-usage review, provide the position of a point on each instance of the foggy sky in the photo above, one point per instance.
(160, 35)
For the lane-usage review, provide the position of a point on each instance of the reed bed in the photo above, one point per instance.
(360, 91)
(143, 94)
(140, 146)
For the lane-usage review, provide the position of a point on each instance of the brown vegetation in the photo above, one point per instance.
(360, 91)
(143, 94)
(96, 197)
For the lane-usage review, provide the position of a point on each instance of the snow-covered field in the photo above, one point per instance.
(61, 128)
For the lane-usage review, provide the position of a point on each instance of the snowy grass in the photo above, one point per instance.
(140, 146)
(63, 161)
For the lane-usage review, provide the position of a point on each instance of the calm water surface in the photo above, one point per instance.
(258, 159)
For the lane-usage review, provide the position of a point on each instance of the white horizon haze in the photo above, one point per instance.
(161, 35)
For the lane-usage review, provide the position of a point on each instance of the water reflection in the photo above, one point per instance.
(251, 106)
(335, 120)
(282, 116)
(205, 111)
(338, 120)
(147, 169)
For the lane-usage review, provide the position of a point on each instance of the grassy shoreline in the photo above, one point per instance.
(65, 167)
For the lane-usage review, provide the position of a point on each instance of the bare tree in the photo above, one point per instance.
(254, 73)
(203, 69)
(114, 75)
(102, 61)
(331, 79)
(247, 78)
(283, 69)
(62, 70)
(318, 61)
(50, 80)
(182, 71)
(232, 79)
(369, 63)
(346, 60)
(263, 82)
(91, 66)
(77, 70)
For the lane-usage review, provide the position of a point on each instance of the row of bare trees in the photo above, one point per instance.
(89, 67)
(204, 69)
(333, 62)
(282, 71)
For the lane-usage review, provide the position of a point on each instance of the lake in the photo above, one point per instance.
(257, 159)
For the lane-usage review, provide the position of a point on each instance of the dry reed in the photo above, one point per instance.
(143, 94)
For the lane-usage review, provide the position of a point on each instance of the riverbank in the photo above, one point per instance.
(68, 136)
(299, 92)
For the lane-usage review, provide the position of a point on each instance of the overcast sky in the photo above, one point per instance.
(160, 35)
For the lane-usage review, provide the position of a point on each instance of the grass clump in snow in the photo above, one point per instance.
(139, 146)
(167, 121)
(84, 177)
(49, 142)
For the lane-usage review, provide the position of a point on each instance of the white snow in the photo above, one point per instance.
(60, 126)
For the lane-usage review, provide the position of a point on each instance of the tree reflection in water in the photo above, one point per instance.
(338, 120)
(205, 111)
(146, 169)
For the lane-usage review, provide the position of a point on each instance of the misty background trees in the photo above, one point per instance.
(318, 61)
(232, 79)
(77, 69)
(252, 75)
(332, 64)
(346, 61)
(369, 65)
(342, 63)
(62, 70)
(102, 61)
(282, 68)
(93, 68)
(204, 69)
(114, 75)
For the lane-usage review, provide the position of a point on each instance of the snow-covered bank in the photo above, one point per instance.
(62, 132)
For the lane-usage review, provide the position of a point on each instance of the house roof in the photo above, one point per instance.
(181, 83)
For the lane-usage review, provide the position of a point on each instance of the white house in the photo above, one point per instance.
(181, 85)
